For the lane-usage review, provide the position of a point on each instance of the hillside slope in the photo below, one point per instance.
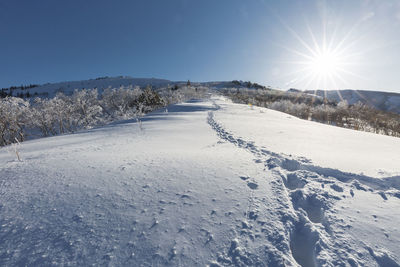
(51, 89)
(202, 183)
(380, 100)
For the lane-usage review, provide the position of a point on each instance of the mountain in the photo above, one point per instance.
(101, 83)
(50, 89)
(206, 182)
(380, 100)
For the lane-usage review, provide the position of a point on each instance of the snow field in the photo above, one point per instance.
(206, 183)
(322, 231)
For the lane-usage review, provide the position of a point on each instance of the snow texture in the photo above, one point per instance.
(206, 183)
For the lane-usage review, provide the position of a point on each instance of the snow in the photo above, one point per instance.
(326, 146)
(51, 89)
(385, 101)
(205, 182)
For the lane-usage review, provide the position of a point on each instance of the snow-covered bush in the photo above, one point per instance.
(42, 116)
(280, 105)
(121, 102)
(55, 116)
(86, 107)
(14, 115)
(65, 113)
(180, 94)
(83, 109)
(323, 113)
(300, 110)
(149, 100)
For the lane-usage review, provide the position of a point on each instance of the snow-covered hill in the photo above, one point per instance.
(201, 183)
(381, 100)
(50, 89)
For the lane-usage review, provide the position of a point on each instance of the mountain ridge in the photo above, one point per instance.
(385, 101)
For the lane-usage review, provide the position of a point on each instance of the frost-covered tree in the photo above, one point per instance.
(65, 113)
(149, 100)
(121, 101)
(14, 114)
(42, 116)
(86, 107)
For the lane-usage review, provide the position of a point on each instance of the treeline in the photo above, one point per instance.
(5, 92)
(22, 87)
(358, 116)
(248, 84)
(21, 119)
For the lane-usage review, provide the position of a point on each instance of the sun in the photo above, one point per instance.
(323, 67)
(325, 63)
(328, 60)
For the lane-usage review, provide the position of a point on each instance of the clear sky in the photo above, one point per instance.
(277, 43)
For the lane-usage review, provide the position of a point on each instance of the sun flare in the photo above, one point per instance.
(326, 63)
(327, 60)
(323, 67)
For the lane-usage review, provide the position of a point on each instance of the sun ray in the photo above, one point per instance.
(296, 52)
(351, 73)
(322, 61)
(294, 34)
(316, 45)
(310, 81)
(364, 98)
(333, 80)
(338, 76)
(333, 37)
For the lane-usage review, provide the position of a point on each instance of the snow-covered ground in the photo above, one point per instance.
(326, 146)
(206, 183)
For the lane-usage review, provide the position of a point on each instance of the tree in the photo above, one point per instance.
(120, 102)
(149, 100)
(42, 117)
(86, 106)
(14, 115)
(236, 82)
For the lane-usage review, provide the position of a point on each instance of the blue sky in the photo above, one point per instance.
(270, 42)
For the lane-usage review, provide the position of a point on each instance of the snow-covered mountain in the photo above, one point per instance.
(51, 89)
(205, 182)
(380, 100)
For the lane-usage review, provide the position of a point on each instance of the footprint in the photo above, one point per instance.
(294, 180)
(244, 178)
(252, 185)
(303, 243)
(253, 215)
(337, 188)
(312, 204)
(77, 218)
